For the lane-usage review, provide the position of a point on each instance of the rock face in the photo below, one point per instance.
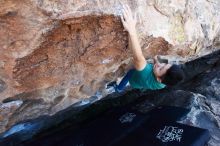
(55, 53)
(199, 93)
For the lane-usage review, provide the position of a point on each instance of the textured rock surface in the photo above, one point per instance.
(55, 53)
(199, 93)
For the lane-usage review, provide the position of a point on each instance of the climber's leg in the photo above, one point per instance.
(124, 81)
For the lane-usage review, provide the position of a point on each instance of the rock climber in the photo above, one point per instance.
(145, 75)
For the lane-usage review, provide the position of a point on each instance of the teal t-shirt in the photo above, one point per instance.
(145, 79)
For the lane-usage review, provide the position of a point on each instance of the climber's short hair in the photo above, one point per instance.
(173, 76)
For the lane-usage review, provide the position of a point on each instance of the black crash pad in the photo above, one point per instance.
(166, 133)
(128, 126)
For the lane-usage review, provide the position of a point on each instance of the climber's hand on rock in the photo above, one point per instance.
(128, 20)
(156, 59)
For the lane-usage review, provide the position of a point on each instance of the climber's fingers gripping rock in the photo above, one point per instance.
(129, 21)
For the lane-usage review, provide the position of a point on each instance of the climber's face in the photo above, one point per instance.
(160, 70)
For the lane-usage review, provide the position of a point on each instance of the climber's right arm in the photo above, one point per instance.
(129, 24)
(139, 60)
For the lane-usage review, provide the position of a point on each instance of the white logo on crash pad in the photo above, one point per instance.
(127, 118)
(170, 133)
